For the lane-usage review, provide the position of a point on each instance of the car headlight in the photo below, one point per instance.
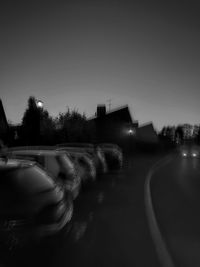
(194, 154)
(184, 154)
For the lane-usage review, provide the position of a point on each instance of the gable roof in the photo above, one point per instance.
(120, 113)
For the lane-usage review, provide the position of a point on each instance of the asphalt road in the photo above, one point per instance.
(109, 226)
(175, 192)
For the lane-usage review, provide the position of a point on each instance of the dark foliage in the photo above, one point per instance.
(39, 128)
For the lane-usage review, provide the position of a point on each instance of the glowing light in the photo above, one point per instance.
(130, 131)
(184, 154)
(39, 104)
(194, 155)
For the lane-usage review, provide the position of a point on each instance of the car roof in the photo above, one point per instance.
(83, 145)
(32, 148)
(36, 151)
(109, 145)
(74, 151)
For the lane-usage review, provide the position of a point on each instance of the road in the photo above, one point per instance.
(109, 226)
(146, 214)
(175, 193)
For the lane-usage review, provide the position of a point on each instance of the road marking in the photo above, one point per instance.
(161, 248)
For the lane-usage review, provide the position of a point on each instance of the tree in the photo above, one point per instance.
(47, 128)
(198, 137)
(167, 133)
(73, 127)
(37, 126)
(30, 123)
(179, 134)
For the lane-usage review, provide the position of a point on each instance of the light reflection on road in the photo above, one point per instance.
(188, 177)
(100, 197)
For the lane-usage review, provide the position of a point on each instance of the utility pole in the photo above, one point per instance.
(109, 104)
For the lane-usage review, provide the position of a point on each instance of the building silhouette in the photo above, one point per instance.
(118, 126)
(113, 126)
(4, 128)
(147, 134)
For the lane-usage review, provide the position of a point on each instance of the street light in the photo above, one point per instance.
(39, 104)
(130, 132)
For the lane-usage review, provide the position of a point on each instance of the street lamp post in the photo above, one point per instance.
(131, 133)
(39, 105)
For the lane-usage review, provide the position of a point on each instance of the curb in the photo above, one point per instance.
(164, 256)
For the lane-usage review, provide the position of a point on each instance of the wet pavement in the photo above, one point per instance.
(109, 225)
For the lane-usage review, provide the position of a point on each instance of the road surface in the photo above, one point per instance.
(146, 214)
(175, 192)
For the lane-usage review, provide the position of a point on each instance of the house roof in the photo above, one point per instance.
(120, 112)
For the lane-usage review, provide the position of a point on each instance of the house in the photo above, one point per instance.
(146, 138)
(147, 134)
(118, 126)
(3, 123)
(114, 126)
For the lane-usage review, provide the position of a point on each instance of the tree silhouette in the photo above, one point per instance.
(73, 127)
(37, 126)
(179, 134)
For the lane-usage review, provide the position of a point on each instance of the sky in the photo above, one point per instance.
(78, 54)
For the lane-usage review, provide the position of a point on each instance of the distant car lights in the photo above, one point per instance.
(193, 154)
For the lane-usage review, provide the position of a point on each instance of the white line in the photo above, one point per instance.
(160, 245)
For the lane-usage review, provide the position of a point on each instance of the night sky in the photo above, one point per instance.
(82, 53)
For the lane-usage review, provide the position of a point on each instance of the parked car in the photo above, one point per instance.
(113, 155)
(32, 205)
(83, 163)
(55, 162)
(95, 151)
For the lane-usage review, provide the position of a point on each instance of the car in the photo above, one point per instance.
(113, 155)
(32, 205)
(55, 162)
(189, 150)
(84, 165)
(190, 153)
(94, 150)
